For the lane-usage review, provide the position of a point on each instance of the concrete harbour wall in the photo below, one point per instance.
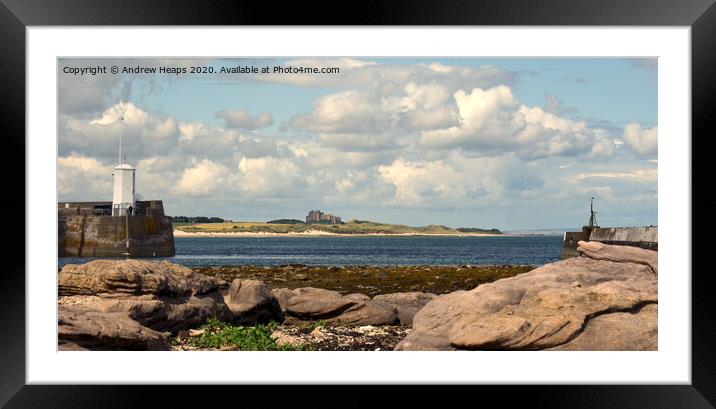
(646, 237)
(86, 235)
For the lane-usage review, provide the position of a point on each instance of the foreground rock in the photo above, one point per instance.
(137, 304)
(250, 301)
(131, 304)
(133, 277)
(314, 303)
(406, 304)
(80, 328)
(620, 254)
(619, 331)
(608, 302)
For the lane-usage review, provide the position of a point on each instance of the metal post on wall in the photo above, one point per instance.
(126, 232)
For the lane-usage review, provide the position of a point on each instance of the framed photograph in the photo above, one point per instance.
(439, 197)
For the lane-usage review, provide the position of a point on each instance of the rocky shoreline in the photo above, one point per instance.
(604, 300)
(369, 280)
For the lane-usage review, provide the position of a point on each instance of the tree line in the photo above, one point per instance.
(197, 219)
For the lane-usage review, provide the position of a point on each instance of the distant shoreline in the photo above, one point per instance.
(317, 233)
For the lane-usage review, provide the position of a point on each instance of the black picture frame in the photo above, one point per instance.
(16, 15)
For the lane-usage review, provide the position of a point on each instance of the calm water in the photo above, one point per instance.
(366, 250)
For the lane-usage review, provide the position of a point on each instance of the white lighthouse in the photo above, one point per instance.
(123, 197)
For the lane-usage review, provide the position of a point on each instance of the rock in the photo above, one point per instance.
(223, 284)
(407, 304)
(283, 339)
(196, 332)
(317, 333)
(622, 331)
(357, 309)
(163, 313)
(368, 313)
(133, 277)
(571, 304)
(146, 309)
(422, 342)
(124, 304)
(69, 346)
(357, 297)
(192, 311)
(490, 331)
(77, 299)
(251, 302)
(314, 303)
(621, 254)
(282, 295)
(439, 314)
(81, 327)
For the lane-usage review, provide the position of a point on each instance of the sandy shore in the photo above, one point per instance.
(311, 233)
(180, 233)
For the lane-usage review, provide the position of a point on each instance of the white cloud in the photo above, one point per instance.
(642, 141)
(493, 120)
(315, 155)
(640, 175)
(144, 134)
(413, 181)
(344, 185)
(157, 176)
(253, 147)
(347, 111)
(241, 119)
(201, 139)
(83, 178)
(390, 110)
(267, 176)
(88, 94)
(357, 142)
(203, 178)
(458, 181)
(427, 96)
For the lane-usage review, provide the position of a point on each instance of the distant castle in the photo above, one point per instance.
(317, 216)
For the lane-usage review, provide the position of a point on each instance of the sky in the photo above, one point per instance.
(508, 143)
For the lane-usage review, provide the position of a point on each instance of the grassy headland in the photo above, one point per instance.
(350, 227)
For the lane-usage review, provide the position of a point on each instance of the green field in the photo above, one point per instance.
(350, 227)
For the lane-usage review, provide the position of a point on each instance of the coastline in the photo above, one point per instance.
(362, 308)
(316, 233)
(366, 279)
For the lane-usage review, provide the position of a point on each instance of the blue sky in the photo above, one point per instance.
(512, 143)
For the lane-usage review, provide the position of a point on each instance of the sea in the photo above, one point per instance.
(362, 250)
